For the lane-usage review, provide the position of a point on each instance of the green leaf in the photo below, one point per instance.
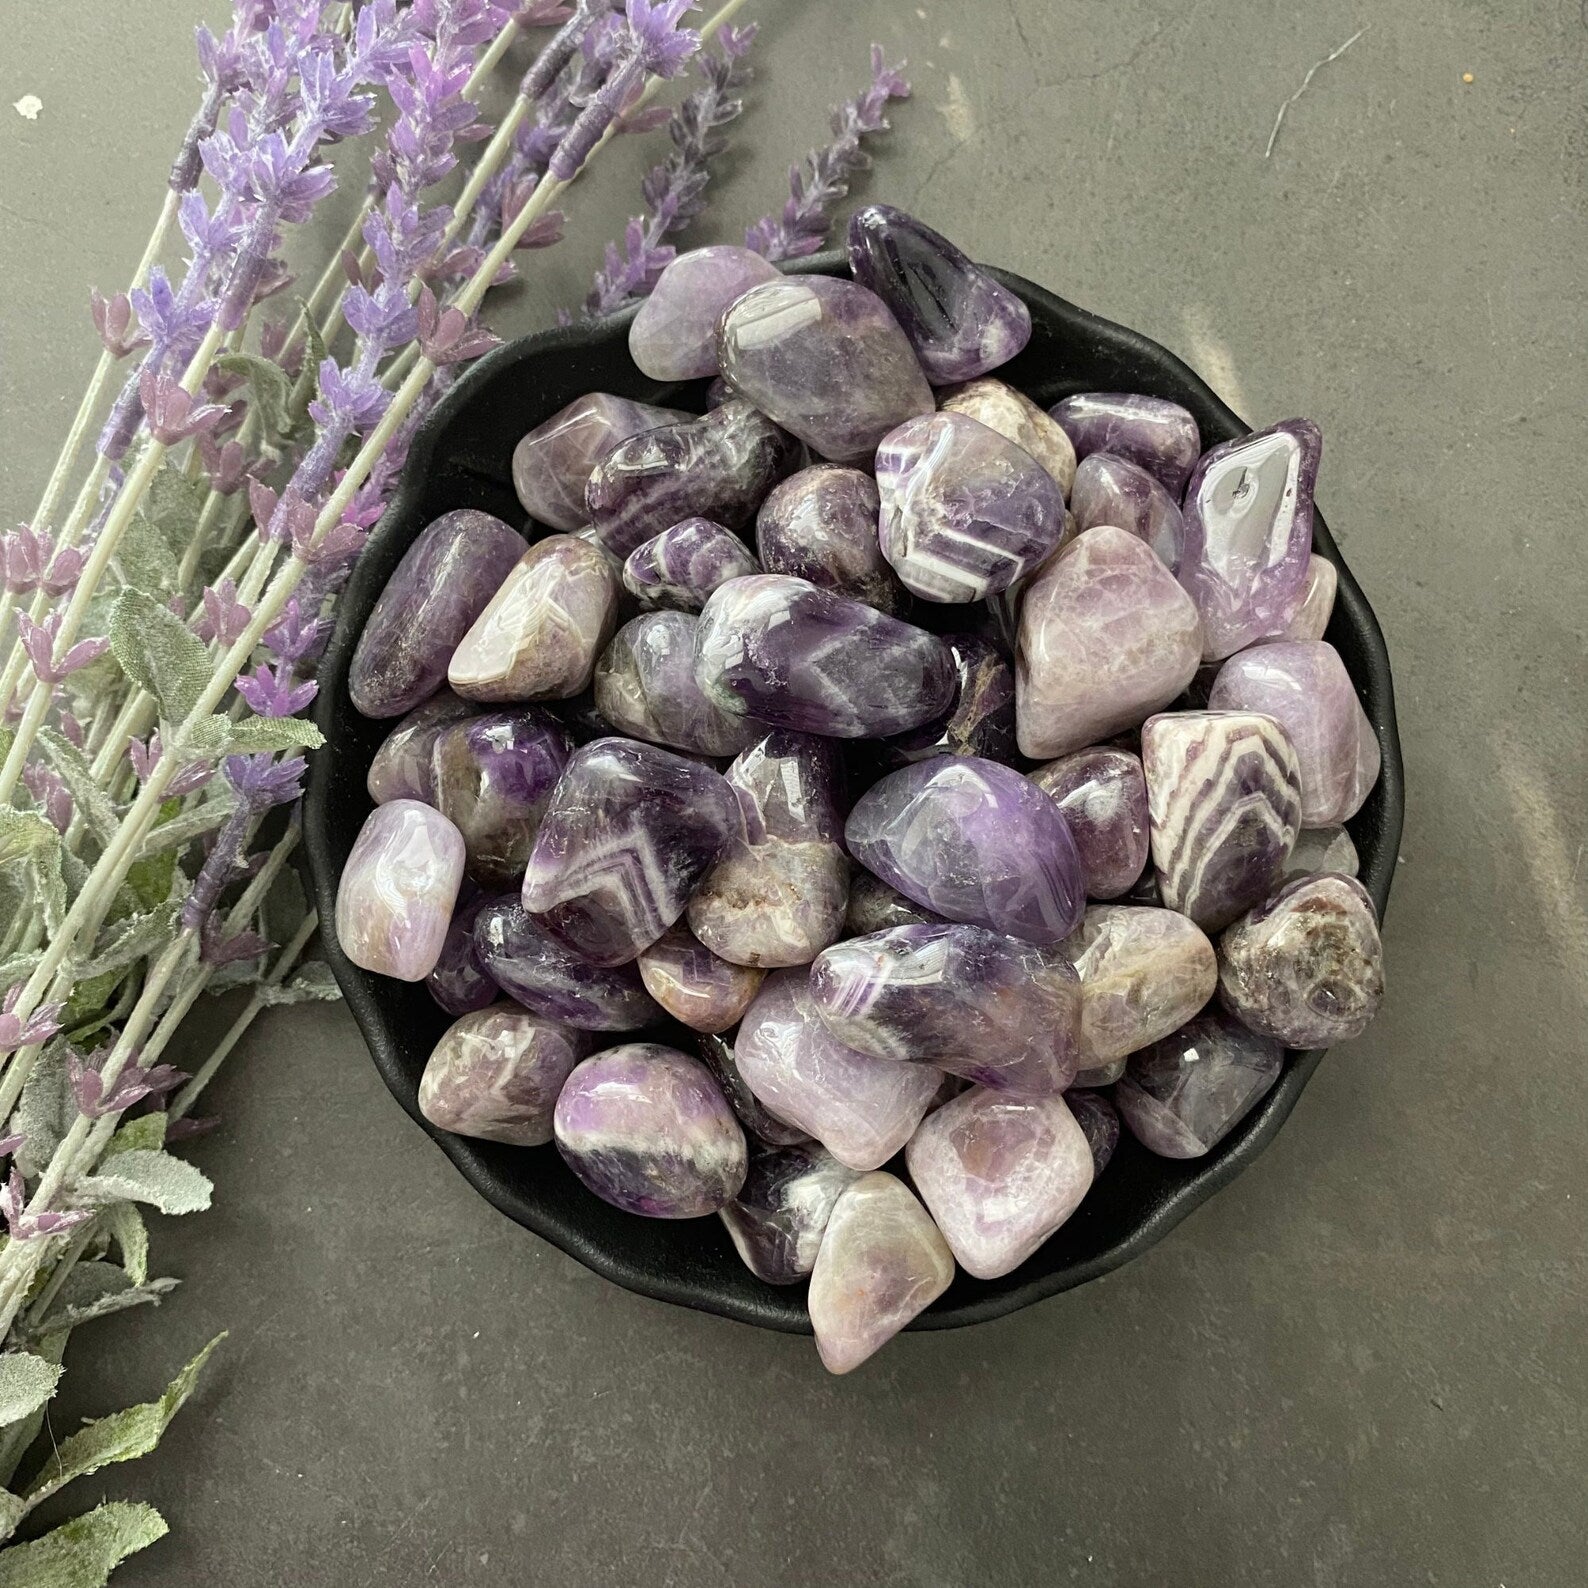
(49, 877)
(12, 1508)
(173, 503)
(146, 1133)
(122, 1436)
(62, 1319)
(89, 998)
(172, 1185)
(159, 652)
(311, 983)
(145, 560)
(269, 388)
(155, 852)
(26, 1382)
(94, 805)
(45, 1110)
(18, 967)
(132, 939)
(84, 1552)
(124, 1224)
(25, 835)
(275, 733)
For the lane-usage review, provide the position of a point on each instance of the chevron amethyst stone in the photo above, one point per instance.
(1224, 807)
(1158, 435)
(682, 566)
(459, 981)
(674, 336)
(1104, 799)
(716, 1053)
(777, 1220)
(975, 1003)
(1099, 1122)
(1110, 490)
(402, 769)
(974, 841)
(1013, 415)
(630, 832)
(821, 525)
(694, 985)
(965, 512)
(1248, 534)
(782, 651)
(647, 1129)
(982, 719)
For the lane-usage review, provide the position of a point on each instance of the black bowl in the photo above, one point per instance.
(460, 459)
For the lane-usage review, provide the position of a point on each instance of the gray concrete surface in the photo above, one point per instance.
(1362, 1364)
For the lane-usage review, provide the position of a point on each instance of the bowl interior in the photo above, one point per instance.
(461, 459)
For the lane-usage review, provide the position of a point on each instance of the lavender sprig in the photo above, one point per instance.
(817, 186)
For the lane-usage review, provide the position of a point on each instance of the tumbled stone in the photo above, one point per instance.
(397, 890)
(960, 320)
(645, 687)
(717, 466)
(1248, 534)
(783, 651)
(439, 588)
(1158, 435)
(821, 524)
(999, 1175)
(1317, 601)
(777, 895)
(716, 1054)
(401, 769)
(975, 1003)
(1103, 796)
(1107, 637)
(674, 335)
(1144, 973)
(975, 842)
(495, 1074)
(694, 985)
(682, 566)
(1184, 1095)
(875, 907)
(862, 1109)
(630, 832)
(494, 774)
(1110, 490)
(553, 980)
(540, 635)
(647, 1129)
(965, 512)
(1099, 1122)
(881, 1263)
(459, 981)
(1013, 415)
(777, 1220)
(553, 463)
(826, 360)
(1304, 687)
(981, 720)
(1223, 806)
(1322, 849)
(1305, 967)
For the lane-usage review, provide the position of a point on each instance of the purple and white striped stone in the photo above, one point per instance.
(777, 1220)
(1104, 799)
(1110, 490)
(716, 1053)
(680, 567)
(821, 525)
(982, 719)
(1151, 432)
(459, 981)
(402, 768)
(674, 336)
(694, 985)
(1099, 1122)
(1014, 416)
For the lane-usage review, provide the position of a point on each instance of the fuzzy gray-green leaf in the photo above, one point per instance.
(84, 1552)
(124, 1224)
(310, 983)
(146, 1133)
(170, 1184)
(64, 1318)
(129, 940)
(269, 388)
(145, 560)
(26, 1382)
(44, 1111)
(158, 651)
(25, 835)
(173, 504)
(94, 806)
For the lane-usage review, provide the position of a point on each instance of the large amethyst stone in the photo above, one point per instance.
(682, 566)
(1013, 415)
(402, 767)
(982, 719)
(777, 1220)
(674, 336)
(1110, 490)
(1104, 799)
(821, 525)
(1158, 435)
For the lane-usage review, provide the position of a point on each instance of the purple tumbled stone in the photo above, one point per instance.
(982, 719)
(1323, 849)
(439, 588)
(495, 1074)
(460, 982)
(786, 653)
(1306, 967)
(1099, 1122)
(1304, 687)
(553, 463)
(875, 907)
(539, 637)
(862, 1109)
(402, 769)
(551, 979)
(1013, 415)
(717, 466)
(1158, 435)
(630, 832)
(1104, 799)
(1110, 490)
(999, 1175)
(777, 1220)
(974, 841)
(397, 890)
(990, 1008)
(826, 360)
(1106, 638)
(682, 566)
(674, 336)
(960, 321)
(1183, 1095)
(882, 1262)
(716, 1053)
(645, 687)
(1248, 534)
(494, 775)
(821, 525)
(777, 895)
(1317, 601)
(694, 985)
(1224, 808)
(964, 512)
(647, 1129)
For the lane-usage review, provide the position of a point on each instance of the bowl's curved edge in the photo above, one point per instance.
(780, 1309)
